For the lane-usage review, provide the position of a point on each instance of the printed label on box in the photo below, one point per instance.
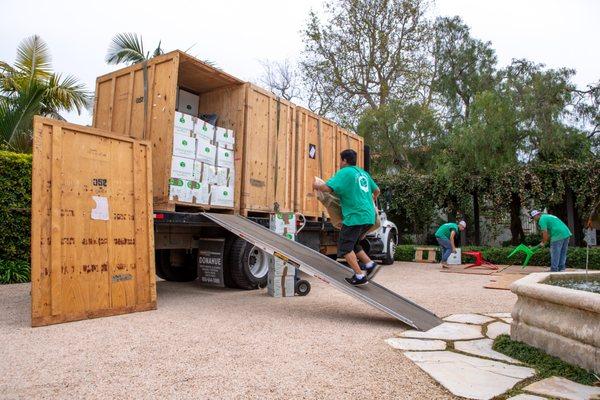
(221, 196)
(184, 146)
(199, 191)
(206, 152)
(178, 190)
(223, 135)
(182, 168)
(183, 121)
(225, 158)
(204, 130)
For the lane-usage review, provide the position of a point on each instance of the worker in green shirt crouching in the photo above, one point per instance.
(557, 233)
(446, 235)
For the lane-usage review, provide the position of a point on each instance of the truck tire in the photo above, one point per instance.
(391, 248)
(302, 287)
(248, 265)
(178, 266)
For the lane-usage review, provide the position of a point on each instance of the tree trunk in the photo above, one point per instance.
(516, 229)
(476, 225)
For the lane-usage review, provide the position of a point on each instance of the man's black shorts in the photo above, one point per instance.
(349, 238)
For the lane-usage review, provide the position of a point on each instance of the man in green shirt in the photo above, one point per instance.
(555, 231)
(445, 236)
(357, 193)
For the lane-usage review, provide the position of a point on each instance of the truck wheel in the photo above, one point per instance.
(176, 265)
(248, 265)
(302, 287)
(391, 249)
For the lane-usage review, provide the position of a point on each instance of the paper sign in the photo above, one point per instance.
(101, 211)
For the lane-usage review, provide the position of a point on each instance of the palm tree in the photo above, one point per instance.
(30, 87)
(129, 48)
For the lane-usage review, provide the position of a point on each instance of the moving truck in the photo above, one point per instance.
(223, 145)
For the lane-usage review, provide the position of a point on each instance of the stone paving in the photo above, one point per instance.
(458, 354)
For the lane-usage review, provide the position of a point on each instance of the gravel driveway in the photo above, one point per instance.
(217, 343)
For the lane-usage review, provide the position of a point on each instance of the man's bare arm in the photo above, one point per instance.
(452, 235)
(544, 238)
(376, 194)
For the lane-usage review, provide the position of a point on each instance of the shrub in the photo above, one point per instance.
(14, 271)
(15, 216)
(499, 255)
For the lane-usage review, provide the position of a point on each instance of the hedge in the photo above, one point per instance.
(499, 255)
(15, 213)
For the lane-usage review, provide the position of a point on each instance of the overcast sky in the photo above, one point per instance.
(236, 34)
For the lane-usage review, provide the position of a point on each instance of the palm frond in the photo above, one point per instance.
(125, 47)
(33, 58)
(64, 93)
(16, 115)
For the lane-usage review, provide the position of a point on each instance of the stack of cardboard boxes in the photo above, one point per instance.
(281, 280)
(202, 167)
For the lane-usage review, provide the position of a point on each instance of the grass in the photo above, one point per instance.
(545, 365)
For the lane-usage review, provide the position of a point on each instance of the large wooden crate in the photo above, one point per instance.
(348, 140)
(124, 105)
(269, 153)
(88, 260)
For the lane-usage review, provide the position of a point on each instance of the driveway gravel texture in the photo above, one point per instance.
(208, 343)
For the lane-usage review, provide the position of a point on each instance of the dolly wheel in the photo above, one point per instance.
(302, 287)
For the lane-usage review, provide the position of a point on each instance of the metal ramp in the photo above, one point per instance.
(327, 270)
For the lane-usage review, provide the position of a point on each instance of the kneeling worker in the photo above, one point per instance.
(446, 235)
(357, 193)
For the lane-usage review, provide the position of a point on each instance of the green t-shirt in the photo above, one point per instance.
(354, 187)
(444, 230)
(557, 230)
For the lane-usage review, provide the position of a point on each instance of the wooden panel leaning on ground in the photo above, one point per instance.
(92, 235)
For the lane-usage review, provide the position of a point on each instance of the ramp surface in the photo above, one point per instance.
(327, 270)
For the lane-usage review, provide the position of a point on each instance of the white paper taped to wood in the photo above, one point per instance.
(101, 210)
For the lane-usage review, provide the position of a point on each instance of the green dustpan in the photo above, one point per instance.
(529, 251)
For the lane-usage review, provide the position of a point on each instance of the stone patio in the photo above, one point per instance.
(460, 357)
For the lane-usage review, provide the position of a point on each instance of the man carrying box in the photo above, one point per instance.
(446, 235)
(357, 193)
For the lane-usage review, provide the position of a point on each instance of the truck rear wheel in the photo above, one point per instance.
(248, 265)
(391, 249)
(176, 265)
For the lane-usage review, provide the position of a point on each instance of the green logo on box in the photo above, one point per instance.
(204, 128)
(182, 164)
(184, 142)
(226, 134)
(226, 154)
(225, 193)
(193, 185)
(175, 182)
(207, 149)
(182, 120)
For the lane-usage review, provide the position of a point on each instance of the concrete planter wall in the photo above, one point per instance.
(563, 322)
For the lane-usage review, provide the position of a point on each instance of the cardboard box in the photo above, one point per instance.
(225, 157)
(204, 130)
(184, 146)
(178, 190)
(199, 191)
(221, 196)
(283, 223)
(278, 267)
(183, 123)
(197, 174)
(187, 102)
(224, 136)
(280, 286)
(215, 175)
(206, 152)
(182, 168)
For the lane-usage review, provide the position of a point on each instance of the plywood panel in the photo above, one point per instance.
(85, 263)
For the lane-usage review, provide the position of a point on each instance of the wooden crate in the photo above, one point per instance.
(316, 156)
(123, 106)
(349, 140)
(87, 261)
(268, 153)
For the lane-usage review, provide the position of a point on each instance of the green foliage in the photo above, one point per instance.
(15, 206)
(129, 48)
(30, 87)
(546, 366)
(499, 255)
(14, 271)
